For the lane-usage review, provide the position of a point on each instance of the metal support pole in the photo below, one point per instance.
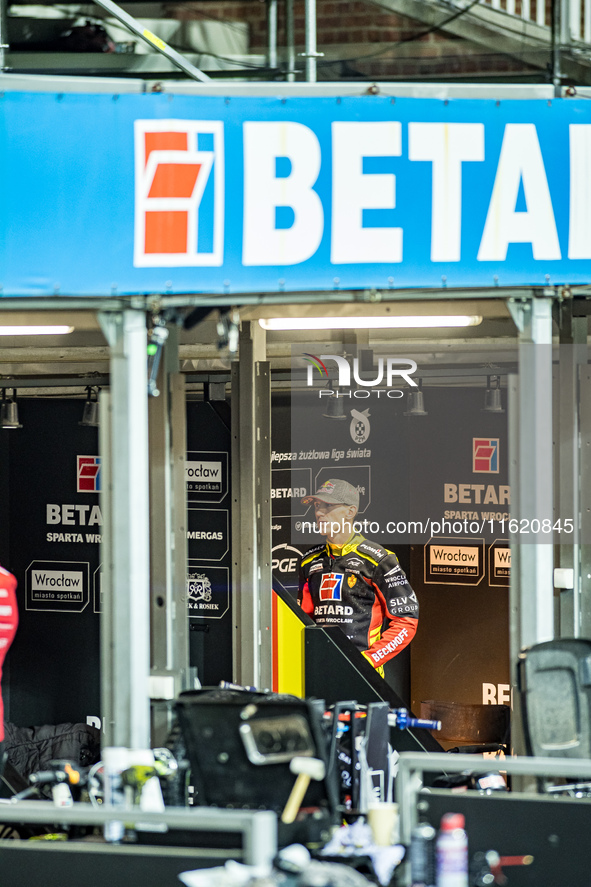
(3, 35)
(251, 540)
(556, 41)
(530, 457)
(311, 53)
(290, 41)
(125, 655)
(272, 34)
(263, 503)
(572, 356)
(169, 637)
(585, 512)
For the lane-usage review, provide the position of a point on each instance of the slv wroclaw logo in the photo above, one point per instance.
(388, 369)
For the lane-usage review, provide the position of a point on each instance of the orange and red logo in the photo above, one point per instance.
(179, 193)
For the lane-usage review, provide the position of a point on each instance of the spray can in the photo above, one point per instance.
(452, 852)
(422, 855)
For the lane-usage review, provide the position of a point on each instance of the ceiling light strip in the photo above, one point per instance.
(352, 322)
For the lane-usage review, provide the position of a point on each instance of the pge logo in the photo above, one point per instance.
(179, 193)
(88, 474)
(485, 455)
(285, 560)
(330, 587)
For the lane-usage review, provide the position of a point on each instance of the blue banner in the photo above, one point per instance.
(106, 194)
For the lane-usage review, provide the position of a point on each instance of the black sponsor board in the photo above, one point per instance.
(208, 534)
(51, 531)
(57, 586)
(209, 560)
(206, 473)
(208, 591)
(437, 472)
(288, 487)
(285, 564)
(458, 484)
(453, 561)
(499, 563)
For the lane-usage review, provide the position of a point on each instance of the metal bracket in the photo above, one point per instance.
(522, 308)
(520, 311)
(109, 321)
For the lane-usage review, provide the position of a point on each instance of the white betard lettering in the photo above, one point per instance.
(478, 494)
(332, 610)
(354, 191)
(446, 146)
(579, 232)
(520, 163)
(73, 515)
(265, 191)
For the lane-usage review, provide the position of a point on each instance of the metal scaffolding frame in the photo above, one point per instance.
(125, 440)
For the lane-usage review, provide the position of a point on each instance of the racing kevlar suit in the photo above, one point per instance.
(362, 588)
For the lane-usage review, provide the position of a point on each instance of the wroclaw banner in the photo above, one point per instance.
(125, 194)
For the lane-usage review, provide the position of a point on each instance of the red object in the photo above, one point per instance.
(8, 624)
(451, 821)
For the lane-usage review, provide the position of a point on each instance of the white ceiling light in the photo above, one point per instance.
(352, 323)
(35, 330)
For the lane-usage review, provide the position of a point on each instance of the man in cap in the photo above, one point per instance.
(354, 583)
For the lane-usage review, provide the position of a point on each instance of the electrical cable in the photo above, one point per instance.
(244, 65)
(412, 38)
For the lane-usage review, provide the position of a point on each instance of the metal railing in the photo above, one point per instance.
(575, 16)
(412, 765)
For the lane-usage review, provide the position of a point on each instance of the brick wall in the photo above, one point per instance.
(351, 30)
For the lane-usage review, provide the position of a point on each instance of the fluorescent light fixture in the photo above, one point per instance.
(355, 323)
(35, 330)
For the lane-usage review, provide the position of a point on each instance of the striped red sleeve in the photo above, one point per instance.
(8, 611)
(397, 636)
(8, 625)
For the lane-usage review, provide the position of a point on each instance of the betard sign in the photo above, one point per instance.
(170, 193)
